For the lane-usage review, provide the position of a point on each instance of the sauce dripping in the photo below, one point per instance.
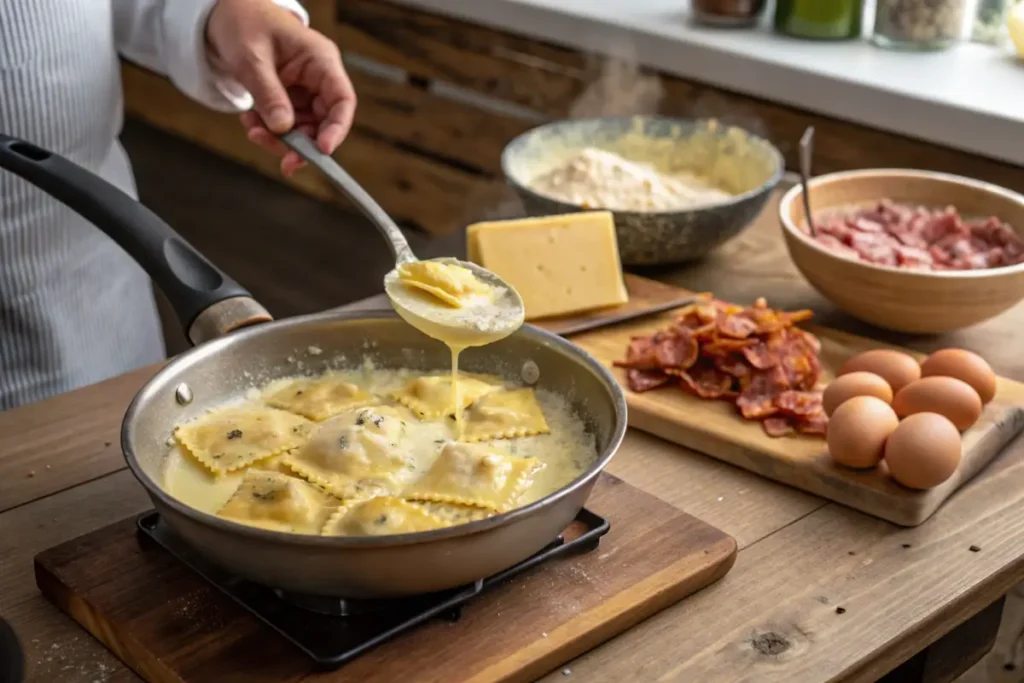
(459, 304)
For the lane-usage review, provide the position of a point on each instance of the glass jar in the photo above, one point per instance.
(990, 21)
(919, 24)
(728, 12)
(819, 19)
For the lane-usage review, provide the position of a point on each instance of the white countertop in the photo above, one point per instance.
(970, 97)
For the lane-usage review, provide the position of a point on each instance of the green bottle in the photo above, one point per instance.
(820, 19)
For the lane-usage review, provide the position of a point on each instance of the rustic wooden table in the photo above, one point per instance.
(819, 592)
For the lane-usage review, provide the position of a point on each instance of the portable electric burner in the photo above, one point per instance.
(332, 631)
(170, 616)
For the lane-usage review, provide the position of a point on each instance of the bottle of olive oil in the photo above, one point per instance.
(819, 19)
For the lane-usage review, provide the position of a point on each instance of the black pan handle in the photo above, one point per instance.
(191, 283)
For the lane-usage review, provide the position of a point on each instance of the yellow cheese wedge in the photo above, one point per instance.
(559, 264)
(1015, 25)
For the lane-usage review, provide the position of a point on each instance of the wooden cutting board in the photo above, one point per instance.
(715, 428)
(646, 298)
(168, 624)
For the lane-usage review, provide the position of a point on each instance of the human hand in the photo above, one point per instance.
(294, 73)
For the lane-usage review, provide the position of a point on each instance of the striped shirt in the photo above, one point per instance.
(74, 308)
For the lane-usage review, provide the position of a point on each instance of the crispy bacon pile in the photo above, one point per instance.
(755, 357)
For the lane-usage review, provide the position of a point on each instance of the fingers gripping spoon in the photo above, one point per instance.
(483, 318)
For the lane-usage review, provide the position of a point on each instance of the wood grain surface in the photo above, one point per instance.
(772, 618)
(716, 428)
(158, 610)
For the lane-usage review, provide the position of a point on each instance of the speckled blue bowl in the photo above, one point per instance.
(747, 166)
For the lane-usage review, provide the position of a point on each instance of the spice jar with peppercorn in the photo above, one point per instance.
(728, 12)
(919, 24)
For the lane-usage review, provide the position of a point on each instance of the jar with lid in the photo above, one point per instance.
(990, 20)
(819, 19)
(728, 12)
(919, 24)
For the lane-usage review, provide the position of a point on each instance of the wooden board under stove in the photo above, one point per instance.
(168, 624)
(716, 429)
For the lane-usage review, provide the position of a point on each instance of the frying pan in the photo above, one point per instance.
(238, 346)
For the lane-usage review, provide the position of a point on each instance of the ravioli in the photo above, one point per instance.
(271, 500)
(229, 439)
(381, 516)
(473, 474)
(274, 464)
(357, 454)
(431, 396)
(451, 283)
(454, 513)
(318, 398)
(504, 415)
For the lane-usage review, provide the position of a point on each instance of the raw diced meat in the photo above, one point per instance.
(915, 237)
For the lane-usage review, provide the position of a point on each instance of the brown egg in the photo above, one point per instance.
(924, 451)
(858, 383)
(946, 396)
(964, 366)
(895, 367)
(858, 429)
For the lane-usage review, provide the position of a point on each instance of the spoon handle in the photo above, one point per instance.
(806, 152)
(305, 148)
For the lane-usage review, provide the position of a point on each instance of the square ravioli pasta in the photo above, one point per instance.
(505, 414)
(229, 439)
(381, 516)
(432, 396)
(317, 398)
(454, 513)
(271, 500)
(358, 453)
(475, 475)
(449, 282)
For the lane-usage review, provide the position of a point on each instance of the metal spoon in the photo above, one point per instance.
(503, 317)
(806, 152)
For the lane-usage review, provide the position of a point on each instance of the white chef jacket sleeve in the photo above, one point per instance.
(169, 37)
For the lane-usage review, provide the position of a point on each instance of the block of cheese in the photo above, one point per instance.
(560, 265)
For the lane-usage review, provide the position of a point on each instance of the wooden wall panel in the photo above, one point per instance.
(432, 160)
(413, 186)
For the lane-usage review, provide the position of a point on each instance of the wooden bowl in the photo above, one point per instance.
(747, 166)
(904, 300)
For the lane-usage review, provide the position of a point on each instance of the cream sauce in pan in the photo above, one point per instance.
(556, 457)
(378, 452)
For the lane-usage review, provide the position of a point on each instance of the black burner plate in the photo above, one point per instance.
(334, 631)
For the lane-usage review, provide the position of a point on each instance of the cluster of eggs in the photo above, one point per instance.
(886, 408)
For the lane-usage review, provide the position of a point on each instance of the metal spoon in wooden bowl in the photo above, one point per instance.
(806, 152)
(491, 311)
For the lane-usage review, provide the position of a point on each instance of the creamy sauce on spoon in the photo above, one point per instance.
(460, 304)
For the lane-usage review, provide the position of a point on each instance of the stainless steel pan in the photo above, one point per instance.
(229, 359)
